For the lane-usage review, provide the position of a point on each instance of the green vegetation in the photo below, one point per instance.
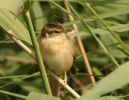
(103, 26)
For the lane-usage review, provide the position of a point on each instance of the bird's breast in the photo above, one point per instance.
(57, 54)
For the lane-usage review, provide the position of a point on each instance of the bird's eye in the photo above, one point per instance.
(56, 31)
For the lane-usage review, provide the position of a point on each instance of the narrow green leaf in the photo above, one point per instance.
(113, 81)
(102, 98)
(10, 23)
(40, 96)
(106, 14)
(13, 5)
(117, 28)
(13, 94)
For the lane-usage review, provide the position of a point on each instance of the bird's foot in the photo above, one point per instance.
(65, 78)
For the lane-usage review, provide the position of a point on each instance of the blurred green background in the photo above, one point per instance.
(16, 65)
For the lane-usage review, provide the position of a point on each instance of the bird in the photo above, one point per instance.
(56, 48)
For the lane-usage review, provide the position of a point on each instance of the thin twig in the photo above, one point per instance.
(64, 84)
(75, 28)
(86, 61)
(83, 52)
(21, 44)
